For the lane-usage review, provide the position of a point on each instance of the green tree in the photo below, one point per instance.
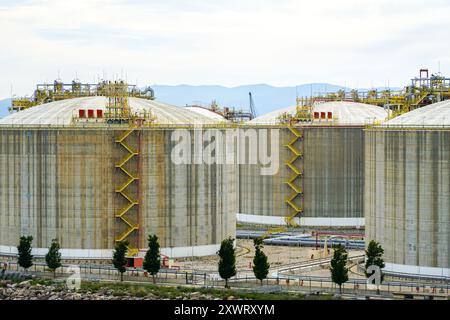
(374, 257)
(119, 257)
(339, 270)
(260, 264)
(25, 259)
(227, 260)
(53, 257)
(152, 260)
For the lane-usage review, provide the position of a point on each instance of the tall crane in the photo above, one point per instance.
(252, 106)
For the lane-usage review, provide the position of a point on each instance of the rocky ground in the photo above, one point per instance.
(40, 289)
(28, 291)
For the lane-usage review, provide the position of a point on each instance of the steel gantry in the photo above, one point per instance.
(58, 90)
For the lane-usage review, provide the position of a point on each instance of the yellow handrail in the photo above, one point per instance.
(296, 173)
(130, 225)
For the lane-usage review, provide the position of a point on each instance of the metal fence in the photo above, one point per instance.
(286, 283)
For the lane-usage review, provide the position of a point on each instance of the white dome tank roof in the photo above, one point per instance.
(345, 113)
(436, 114)
(61, 112)
(207, 113)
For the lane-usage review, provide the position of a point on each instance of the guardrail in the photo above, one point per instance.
(409, 127)
(296, 283)
(312, 263)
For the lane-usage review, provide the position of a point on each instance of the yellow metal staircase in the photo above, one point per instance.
(131, 178)
(296, 173)
(420, 98)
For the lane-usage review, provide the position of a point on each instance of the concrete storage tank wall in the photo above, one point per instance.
(58, 181)
(333, 176)
(407, 190)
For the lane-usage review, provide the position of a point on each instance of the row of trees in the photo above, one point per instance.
(226, 253)
(227, 260)
(374, 258)
(25, 258)
(338, 264)
(152, 259)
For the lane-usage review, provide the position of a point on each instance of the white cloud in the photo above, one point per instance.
(227, 42)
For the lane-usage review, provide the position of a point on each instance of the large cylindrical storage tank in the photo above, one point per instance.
(407, 190)
(63, 179)
(330, 169)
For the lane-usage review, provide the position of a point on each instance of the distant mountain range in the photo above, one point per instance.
(266, 98)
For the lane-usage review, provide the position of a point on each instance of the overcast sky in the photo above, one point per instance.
(226, 42)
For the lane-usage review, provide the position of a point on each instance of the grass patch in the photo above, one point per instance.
(174, 292)
(42, 282)
(119, 293)
(139, 293)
